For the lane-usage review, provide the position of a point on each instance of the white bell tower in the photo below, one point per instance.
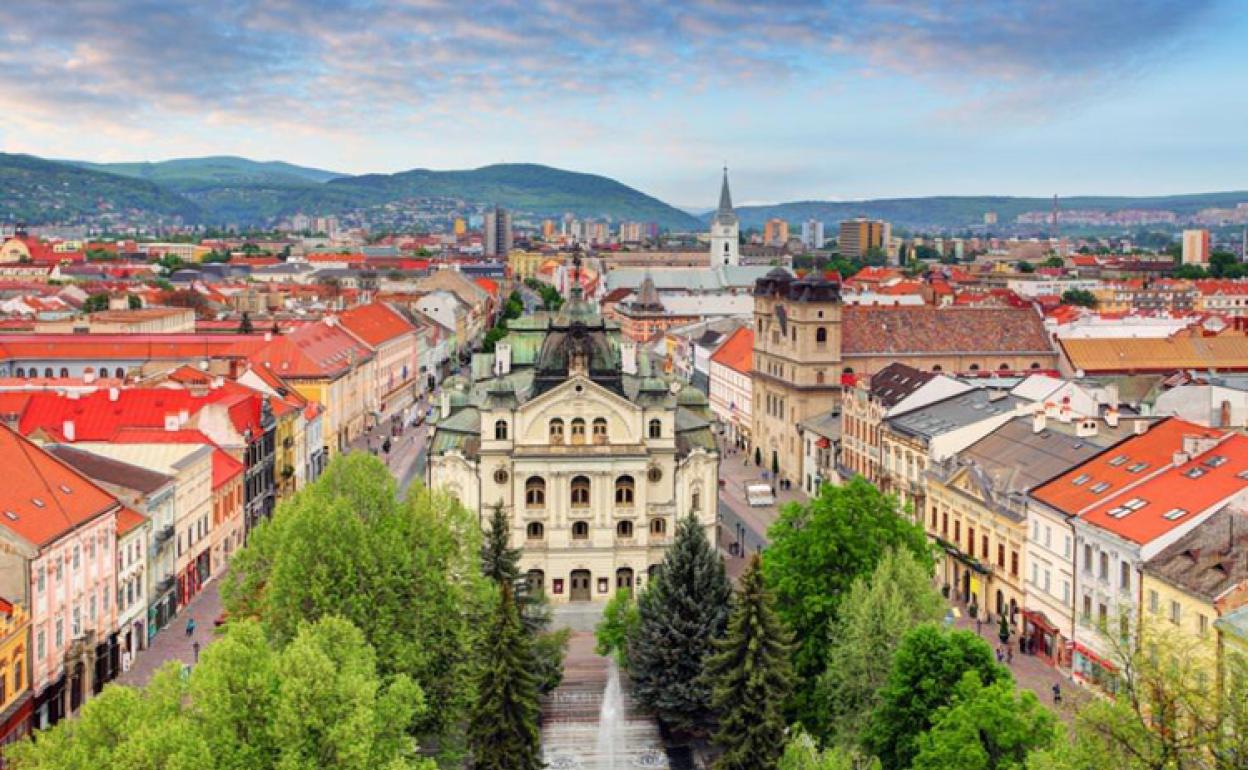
(725, 230)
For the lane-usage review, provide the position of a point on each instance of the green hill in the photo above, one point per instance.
(198, 173)
(38, 191)
(964, 211)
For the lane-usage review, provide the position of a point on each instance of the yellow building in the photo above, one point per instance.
(15, 700)
(461, 226)
(525, 264)
(1196, 580)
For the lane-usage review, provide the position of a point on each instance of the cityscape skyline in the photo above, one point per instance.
(947, 99)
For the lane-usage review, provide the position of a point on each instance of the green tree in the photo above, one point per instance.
(802, 753)
(1024, 267)
(133, 302)
(876, 613)
(1079, 297)
(818, 549)
(681, 613)
(500, 563)
(407, 574)
(751, 676)
(927, 667)
(619, 622)
(244, 326)
(986, 728)
(1054, 262)
(502, 726)
(95, 303)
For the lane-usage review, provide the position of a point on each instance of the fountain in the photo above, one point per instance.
(610, 718)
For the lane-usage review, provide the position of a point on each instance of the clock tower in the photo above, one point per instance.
(725, 230)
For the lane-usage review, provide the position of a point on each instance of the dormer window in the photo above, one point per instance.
(556, 431)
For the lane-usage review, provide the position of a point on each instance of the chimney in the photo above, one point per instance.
(1180, 457)
(628, 357)
(217, 382)
(502, 359)
(67, 428)
(1141, 427)
(1224, 414)
(1038, 421)
(171, 422)
(1064, 415)
(113, 394)
(1050, 408)
(444, 408)
(1111, 395)
(1086, 428)
(88, 377)
(1198, 445)
(1111, 417)
(268, 336)
(184, 417)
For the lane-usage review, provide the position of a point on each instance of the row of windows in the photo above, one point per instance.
(49, 372)
(821, 333)
(75, 559)
(577, 426)
(535, 491)
(75, 625)
(984, 552)
(18, 655)
(580, 529)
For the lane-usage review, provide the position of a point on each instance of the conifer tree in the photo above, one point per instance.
(682, 612)
(502, 727)
(499, 561)
(751, 677)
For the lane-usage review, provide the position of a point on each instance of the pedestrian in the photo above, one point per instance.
(1009, 654)
(1000, 657)
(1057, 692)
(195, 650)
(190, 627)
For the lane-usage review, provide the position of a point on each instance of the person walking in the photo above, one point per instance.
(1057, 692)
(190, 627)
(195, 650)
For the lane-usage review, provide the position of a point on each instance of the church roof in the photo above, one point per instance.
(724, 214)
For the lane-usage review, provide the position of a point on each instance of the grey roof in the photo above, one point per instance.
(688, 279)
(1210, 559)
(110, 471)
(956, 412)
(826, 424)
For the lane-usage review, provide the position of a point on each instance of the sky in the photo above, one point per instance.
(803, 100)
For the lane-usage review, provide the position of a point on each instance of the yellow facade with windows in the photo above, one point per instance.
(14, 655)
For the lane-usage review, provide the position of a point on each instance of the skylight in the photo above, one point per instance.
(1099, 487)
(1135, 503)
(1174, 513)
(1119, 512)
(1136, 467)
(38, 503)
(1083, 478)
(1215, 462)
(1119, 460)
(10, 515)
(1194, 472)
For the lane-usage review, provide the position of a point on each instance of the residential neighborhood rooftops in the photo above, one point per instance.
(896, 381)
(955, 412)
(1209, 560)
(1226, 352)
(375, 323)
(870, 330)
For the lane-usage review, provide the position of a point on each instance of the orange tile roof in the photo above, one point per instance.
(224, 468)
(375, 323)
(1119, 466)
(315, 351)
(128, 519)
(110, 347)
(1228, 352)
(44, 498)
(737, 352)
(1168, 500)
(489, 285)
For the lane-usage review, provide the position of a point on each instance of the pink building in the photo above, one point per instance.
(58, 535)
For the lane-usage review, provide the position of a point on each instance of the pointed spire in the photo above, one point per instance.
(725, 197)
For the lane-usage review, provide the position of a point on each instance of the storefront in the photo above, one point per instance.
(1090, 668)
(1045, 639)
(15, 722)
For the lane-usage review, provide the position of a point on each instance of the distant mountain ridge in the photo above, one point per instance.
(965, 211)
(232, 190)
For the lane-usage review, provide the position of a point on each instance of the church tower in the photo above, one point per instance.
(725, 230)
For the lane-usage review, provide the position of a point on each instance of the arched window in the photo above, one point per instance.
(535, 530)
(64, 372)
(535, 492)
(974, 367)
(658, 527)
(696, 502)
(624, 490)
(847, 370)
(121, 373)
(821, 335)
(21, 372)
(656, 428)
(818, 376)
(578, 431)
(580, 492)
(624, 529)
(938, 368)
(600, 430)
(1035, 364)
(500, 430)
(556, 431)
(47, 372)
(580, 530)
(1003, 367)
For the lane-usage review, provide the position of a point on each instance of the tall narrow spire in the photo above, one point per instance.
(725, 197)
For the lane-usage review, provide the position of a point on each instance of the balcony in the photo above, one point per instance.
(165, 585)
(163, 536)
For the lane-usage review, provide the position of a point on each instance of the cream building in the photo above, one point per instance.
(593, 455)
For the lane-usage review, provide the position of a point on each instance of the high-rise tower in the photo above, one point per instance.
(725, 230)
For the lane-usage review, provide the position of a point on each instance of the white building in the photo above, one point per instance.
(731, 393)
(725, 230)
(593, 456)
(812, 234)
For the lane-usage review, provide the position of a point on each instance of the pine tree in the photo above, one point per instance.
(500, 563)
(502, 727)
(751, 678)
(245, 327)
(682, 612)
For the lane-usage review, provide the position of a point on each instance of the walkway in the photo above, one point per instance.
(172, 643)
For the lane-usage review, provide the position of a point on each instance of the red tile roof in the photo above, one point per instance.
(315, 351)
(737, 352)
(128, 519)
(490, 286)
(44, 498)
(1166, 501)
(224, 468)
(875, 330)
(375, 323)
(1119, 466)
(111, 347)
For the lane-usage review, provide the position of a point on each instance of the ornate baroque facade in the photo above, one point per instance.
(593, 455)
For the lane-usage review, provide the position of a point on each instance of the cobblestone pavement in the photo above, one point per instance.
(173, 643)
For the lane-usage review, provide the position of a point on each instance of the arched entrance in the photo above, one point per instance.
(624, 578)
(581, 588)
(966, 585)
(535, 581)
(1000, 603)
